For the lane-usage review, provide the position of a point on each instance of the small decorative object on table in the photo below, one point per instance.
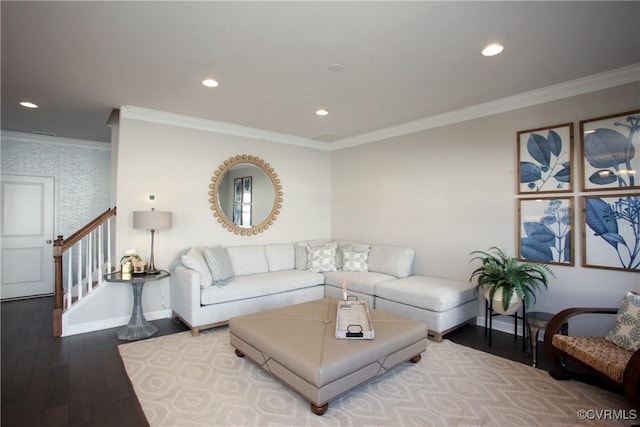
(354, 321)
(131, 262)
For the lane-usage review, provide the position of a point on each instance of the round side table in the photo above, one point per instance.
(536, 320)
(138, 326)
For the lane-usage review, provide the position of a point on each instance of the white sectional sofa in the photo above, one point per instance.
(264, 277)
(212, 285)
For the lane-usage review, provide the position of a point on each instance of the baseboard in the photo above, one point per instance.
(501, 325)
(82, 328)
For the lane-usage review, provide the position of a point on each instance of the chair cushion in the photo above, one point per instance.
(363, 282)
(429, 293)
(261, 284)
(394, 260)
(250, 259)
(280, 257)
(597, 352)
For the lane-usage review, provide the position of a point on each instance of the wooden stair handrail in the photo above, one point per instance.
(80, 234)
(60, 246)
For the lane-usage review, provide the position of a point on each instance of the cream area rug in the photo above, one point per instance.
(182, 380)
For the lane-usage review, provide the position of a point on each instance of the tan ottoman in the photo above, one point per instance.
(297, 344)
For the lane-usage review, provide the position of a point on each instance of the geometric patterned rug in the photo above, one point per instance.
(182, 380)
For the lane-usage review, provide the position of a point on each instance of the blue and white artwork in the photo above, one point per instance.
(545, 231)
(610, 152)
(545, 157)
(612, 232)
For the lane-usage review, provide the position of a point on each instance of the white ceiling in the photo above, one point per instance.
(403, 61)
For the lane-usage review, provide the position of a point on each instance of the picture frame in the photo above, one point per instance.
(545, 157)
(237, 190)
(242, 199)
(610, 152)
(611, 231)
(545, 230)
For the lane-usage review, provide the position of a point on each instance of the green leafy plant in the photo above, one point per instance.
(501, 271)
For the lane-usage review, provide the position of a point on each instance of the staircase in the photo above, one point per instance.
(80, 263)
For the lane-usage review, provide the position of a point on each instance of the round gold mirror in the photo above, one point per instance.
(245, 195)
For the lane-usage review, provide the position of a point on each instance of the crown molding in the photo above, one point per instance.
(22, 137)
(161, 117)
(595, 82)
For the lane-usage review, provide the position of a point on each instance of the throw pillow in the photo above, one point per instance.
(340, 256)
(355, 261)
(626, 331)
(194, 260)
(301, 257)
(322, 258)
(219, 264)
(346, 245)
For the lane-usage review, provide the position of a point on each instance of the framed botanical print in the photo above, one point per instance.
(242, 201)
(611, 231)
(545, 230)
(544, 159)
(610, 157)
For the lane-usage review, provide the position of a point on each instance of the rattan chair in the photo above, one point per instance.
(598, 357)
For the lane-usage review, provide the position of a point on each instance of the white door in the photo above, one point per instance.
(27, 207)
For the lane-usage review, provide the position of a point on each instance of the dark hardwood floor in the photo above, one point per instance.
(80, 380)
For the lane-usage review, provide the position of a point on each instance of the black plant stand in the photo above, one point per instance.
(488, 322)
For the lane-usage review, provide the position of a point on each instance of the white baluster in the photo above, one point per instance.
(100, 253)
(109, 263)
(69, 278)
(90, 265)
(79, 278)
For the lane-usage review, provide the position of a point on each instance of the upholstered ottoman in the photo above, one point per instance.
(442, 304)
(297, 345)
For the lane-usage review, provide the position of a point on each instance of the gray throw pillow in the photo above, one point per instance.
(219, 264)
(301, 257)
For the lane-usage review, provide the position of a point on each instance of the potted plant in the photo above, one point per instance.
(508, 282)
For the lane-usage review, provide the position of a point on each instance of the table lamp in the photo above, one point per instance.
(151, 220)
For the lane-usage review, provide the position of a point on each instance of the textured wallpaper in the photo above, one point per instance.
(82, 177)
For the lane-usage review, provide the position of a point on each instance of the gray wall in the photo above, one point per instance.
(81, 170)
(450, 190)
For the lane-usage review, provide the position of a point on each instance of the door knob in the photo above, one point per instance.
(49, 241)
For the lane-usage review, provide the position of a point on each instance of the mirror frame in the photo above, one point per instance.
(214, 198)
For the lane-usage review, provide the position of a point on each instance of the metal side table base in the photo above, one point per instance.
(537, 320)
(138, 327)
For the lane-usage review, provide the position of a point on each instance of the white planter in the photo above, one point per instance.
(514, 304)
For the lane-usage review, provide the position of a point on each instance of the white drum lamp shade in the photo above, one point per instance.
(151, 220)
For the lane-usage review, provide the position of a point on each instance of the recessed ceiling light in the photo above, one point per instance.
(335, 67)
(492, 49)
(322, 112)
(28, 104)
(210, 83)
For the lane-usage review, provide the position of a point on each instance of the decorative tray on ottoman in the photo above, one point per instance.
(353, 321)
